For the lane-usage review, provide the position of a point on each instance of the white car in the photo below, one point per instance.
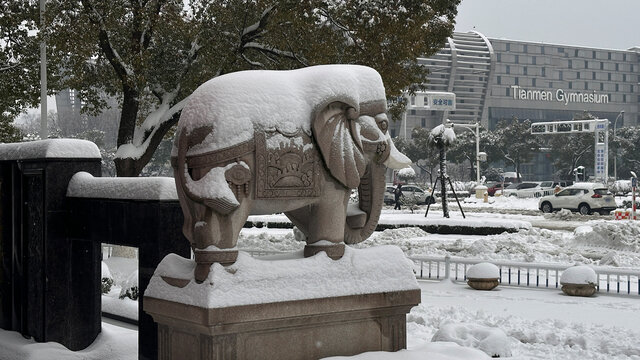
(529, 189)
(419, 194)
(585, 198)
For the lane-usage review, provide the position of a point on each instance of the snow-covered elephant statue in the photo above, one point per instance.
(297, 142)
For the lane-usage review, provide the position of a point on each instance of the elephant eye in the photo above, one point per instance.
(383, 125)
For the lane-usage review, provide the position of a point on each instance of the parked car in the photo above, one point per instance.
(530, 189)
(418, 193)
(585, 198)
(493, 187)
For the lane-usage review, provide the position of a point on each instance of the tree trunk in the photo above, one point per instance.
(126, 129)
(443, 184)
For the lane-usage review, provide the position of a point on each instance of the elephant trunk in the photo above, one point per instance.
(362, 221)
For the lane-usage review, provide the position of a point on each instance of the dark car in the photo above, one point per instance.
(491, 190)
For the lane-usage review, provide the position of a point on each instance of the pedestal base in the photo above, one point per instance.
(303, 329)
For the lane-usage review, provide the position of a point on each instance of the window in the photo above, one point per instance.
(524, 48)
(507, 93)
(609, 55)
(586, 64)
(561, 50)
(533, 60)
(601, 65)
(624, 98)
(576, 53)
(508, 69)
(517, 60)
(617, 88)
(570, 85)
(578, 75)
(499, 57)
(423, 122)
(624, 77)
(499, 80)
(524, 70)
(533, 82)
(508, 47)
(570, 64)
(609, 76)
(601, 86)
(560, 75)
(593, 54)
(593, 75)
(543, 72)
(516, 81)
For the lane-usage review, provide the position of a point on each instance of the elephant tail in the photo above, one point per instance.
(183, 179)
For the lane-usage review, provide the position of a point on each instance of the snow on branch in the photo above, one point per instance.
(258, 28)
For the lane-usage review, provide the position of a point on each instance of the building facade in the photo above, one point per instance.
(496, 79)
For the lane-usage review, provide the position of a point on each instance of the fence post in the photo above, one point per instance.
(447, 267)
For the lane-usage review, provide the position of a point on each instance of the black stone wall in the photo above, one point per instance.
(49, 283)
(154, 227)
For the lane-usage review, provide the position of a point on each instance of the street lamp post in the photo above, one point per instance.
(615, 155)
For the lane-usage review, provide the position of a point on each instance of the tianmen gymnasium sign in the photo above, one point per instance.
(559, 95)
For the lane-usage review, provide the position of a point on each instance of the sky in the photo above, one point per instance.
(611, 24)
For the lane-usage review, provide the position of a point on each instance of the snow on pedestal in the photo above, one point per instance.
(579, 280)
(254, 281)
(483, 276)
(288, 308)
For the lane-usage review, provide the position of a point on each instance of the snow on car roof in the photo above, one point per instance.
(588, 185)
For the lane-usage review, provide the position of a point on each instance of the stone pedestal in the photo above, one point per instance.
(302, 329)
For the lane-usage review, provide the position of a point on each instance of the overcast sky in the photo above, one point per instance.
(610, 24)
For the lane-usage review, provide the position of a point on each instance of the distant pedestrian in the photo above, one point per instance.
(397, 193)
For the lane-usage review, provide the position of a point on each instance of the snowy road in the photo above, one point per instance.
(539, 323)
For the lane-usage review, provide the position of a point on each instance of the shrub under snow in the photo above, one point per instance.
(483, 271)
(106, 279)
(492, 341)
(130, 287)
(580, 274)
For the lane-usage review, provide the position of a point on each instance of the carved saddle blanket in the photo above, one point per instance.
(287, 165)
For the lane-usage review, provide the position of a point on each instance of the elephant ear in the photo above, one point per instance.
(339, 145)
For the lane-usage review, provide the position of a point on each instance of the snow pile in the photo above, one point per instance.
(483, 271)
(431, 351)
(492, 341)
(113, 342)
(563, 214)
(237, 103)
(263, 239)
(50, 149)
(580, 274)
(617, 234)
(85, 185)
(252, 281)
(129, 289)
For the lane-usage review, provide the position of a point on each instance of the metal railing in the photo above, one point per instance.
(539, 275)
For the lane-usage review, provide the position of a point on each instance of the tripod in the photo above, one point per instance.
(433, 188)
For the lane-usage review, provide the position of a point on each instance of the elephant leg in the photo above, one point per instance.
(216, 235)
(326, 225)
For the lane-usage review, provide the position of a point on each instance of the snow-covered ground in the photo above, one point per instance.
(526, 323)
